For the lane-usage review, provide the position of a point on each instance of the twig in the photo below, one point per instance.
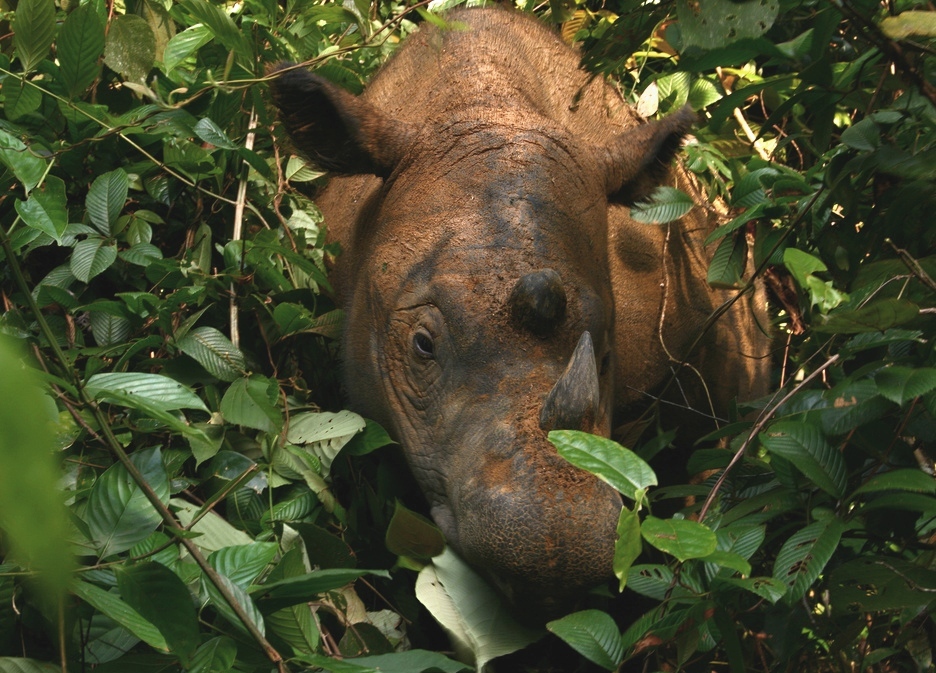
(239, 221)
(742, 122)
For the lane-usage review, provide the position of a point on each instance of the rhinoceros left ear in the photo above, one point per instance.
(638, 159)
(337, 130)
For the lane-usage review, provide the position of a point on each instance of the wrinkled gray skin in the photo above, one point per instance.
(486, 239)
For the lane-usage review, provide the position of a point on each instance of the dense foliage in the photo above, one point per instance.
(167, 329)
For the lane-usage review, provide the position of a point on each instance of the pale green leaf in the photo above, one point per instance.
(875, 316)
(213, 351)
(324, 433)
(913, 480)
(213, 531)
(26, 166)
(593, 634)
(251, 402)
(681, 538)
(908, 24)
(23, 665)
(242, 564)
(293, 590)
(46, 208)
(243, 600)
(412, 535)
(718, 23)
(183, 45)
(223, 29)
(627, 547)
(623, 469)
(130, 48)
(161, 391)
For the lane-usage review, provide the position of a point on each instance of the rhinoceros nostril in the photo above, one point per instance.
(538, 301)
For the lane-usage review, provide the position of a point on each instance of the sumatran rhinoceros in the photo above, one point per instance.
(495, 287)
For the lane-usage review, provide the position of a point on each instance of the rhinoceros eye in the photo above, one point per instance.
(422, 344)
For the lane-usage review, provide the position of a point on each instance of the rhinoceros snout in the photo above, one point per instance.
(574, 402)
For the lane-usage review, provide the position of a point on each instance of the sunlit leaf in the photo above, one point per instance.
(130, 48)
(681, 538)
(157, 389)
(609, 461)
(627, 547)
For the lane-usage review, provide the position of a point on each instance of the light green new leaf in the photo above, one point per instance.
(681, 538)
(623, 469)
(92, 257)
(184, 44)
(412, 535)
(627, 547)
(214, 351)
(112, 606)
(46, 208)
(902, 384)
(804, 445)
(324, 433)
(106, 199)
(131, 47)
(242, 564)
(666, 204)
(213, 532)
(805, 554)
(23, 665)
(79, 48)
(118, 513)
(173, 612)
(593, 634)
(33, 31)
(158, 390)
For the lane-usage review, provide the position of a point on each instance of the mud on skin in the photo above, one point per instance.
(495, 287)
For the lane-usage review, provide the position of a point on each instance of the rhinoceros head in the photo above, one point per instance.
(480, 314)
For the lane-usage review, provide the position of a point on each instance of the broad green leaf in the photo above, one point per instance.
(654, 581)
(853, 403)
(470, 611)
(173, 613)
(118, 513)
(282, 593)
(324, 433)
(802, 264)
(717, 23)
(681, 538)
(908, 24)
(728, 559)
(294, 624)
(130, 48)
(214, 351)
(242, 564)
(141, 254)
(33, 520)
(412, 535)
(92, 257)
(20, 98)
(410, 661)
(768, 588)
(213, 532)
(882, 583)
(875, 316)
(46, 208)
(33, 31)
(728, 262)
(902, 384)
(251, 402)
(593, 634)
(214, 656)
(106, 199)
(79, 48)
(108, 329)
(223, 29)
(370, 439)
(112, 606)
(26, 166)
(212, 134)
(750, 190)
(803, 444)
(627, 547)
(161, 391)
(23, 665)
(673, 92)
(623, 469)
(913, 480)
(805, 554)
(243, 600)
(183, 45)
(864, 136)
(666, 204)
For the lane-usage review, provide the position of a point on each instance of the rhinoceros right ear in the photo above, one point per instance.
(638, 159)
(338, 131)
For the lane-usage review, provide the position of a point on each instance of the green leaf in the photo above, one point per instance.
(46, 208)
(803, 444)
(182, 45)
(33, 31)
(161, 391)
(79, 48)
(324, 434)
(681, 538)
(913, 480)
(875, 316)
(657, 582)
(223, 29)
(767, 588)
(20, 98)
(413, 535)
(251, 402)
(282, 593)
(26, 166)
(213, 351)
(108, 329)
(593, 634)
(294, 624)
(110, 604)
(411, 661)
(214, 656)
(23, 665)
(881, 583)
(212, 134)
(908, 24)
(717, 23)
(623, 469)
(728, 262)
(173, 613)
(242, 564)
(902, 384)
(802, 264)
(805, 554)
(118, 513)
(864, 136)
(242, 598)
(627, 547)
(213, 532)
(92, 257)
(130, 48)
(666, 204)
(106, 199)
(730, 560)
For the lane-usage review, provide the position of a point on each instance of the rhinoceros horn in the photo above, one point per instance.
(573, 402)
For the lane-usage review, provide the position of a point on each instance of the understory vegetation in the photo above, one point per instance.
(180, 488)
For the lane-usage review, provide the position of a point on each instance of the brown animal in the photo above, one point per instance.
(496, 288)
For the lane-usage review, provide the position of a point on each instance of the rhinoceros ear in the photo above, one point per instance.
(638, 159)
(338, 131)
